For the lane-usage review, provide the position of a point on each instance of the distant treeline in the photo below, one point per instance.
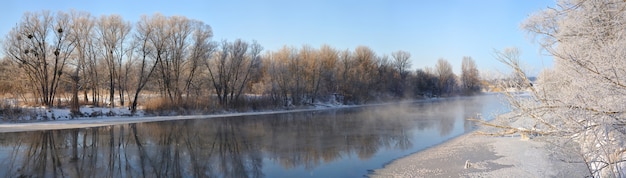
(107, 60)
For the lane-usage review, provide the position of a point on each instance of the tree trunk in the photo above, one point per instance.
(74, 103)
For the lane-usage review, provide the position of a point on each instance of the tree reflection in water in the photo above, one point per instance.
(223, 147)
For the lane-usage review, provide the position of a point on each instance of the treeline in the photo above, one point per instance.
(107, 60)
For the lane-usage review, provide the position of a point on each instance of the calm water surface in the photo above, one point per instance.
(329, 143)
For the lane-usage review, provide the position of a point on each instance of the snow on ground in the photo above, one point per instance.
(65, 121)
(483, 156)
(473, 155)
(43, 113)
(97, 116)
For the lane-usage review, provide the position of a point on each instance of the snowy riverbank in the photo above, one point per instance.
(485, 156)
(60, 118)
(66, 123)
(474, 155)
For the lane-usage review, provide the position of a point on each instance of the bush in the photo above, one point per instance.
(10, 112)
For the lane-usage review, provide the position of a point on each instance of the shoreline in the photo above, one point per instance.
(106, 121)
(85, 122)
(473, 155)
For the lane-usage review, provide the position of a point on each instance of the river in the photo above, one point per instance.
(326, 143)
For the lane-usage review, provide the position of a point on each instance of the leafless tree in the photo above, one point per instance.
(83, 31)
(201, 50)
(113, 31)
(312, 70)
(470, 78)
(40, 46)
(447, 79)
(281, 76)
(172, 64)
(365, 72)
(425, 83)
(328, 71)
(231, 69)
(401, 63)
(147, 59)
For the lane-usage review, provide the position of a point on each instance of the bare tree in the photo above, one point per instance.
(470, 78)
(329, 57)
(365, 73)
(201, 50)
(112, 31)
(146, 50)
(231, 69)
(425, 82)
(40, 46)
(173, 63)
(401, 63)
(83, 30)
(281, 75)
(447, 79)
(312, 70)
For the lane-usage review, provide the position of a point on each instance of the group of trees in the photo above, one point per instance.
(111, 61)
(582, 97)
(78, 51)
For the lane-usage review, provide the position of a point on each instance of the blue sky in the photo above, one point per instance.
(429, 30)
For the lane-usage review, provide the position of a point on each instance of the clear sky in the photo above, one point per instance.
(429, 30)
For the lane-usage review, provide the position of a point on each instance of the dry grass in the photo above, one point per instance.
(204, 105)
(10, 112)
(165, 107)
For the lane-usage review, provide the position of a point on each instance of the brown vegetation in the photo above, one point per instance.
(112, 62)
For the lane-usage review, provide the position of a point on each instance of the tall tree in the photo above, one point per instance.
(329, 57)
(345, 78)
(113, 31)
(282, 75)
(173, 63)
(447, 79)
(83, 28)
(147, 54)
(311, 66)
(365, 73)
(41, 47)
(425, 82)
(470, 78)
(401, 63)
(201, 50)
(231, 69)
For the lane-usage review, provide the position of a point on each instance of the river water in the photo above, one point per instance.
(327, 143)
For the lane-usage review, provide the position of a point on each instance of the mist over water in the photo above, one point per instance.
(328, 143)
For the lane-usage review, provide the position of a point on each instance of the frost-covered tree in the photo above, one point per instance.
(583, 97)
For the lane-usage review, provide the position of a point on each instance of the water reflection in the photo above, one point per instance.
(238, 146)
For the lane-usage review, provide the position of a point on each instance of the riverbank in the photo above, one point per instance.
(105, 121)
(474, 155)
(60, 118)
